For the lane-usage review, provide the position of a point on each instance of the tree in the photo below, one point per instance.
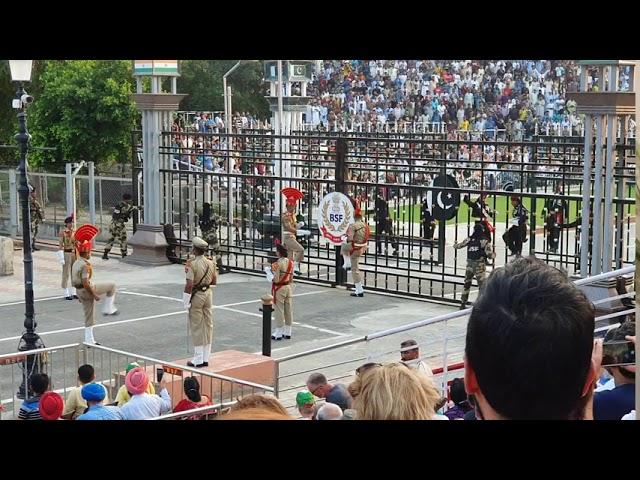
(86, 109)
(202, 80)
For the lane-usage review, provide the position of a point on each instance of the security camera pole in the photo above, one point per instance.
(21, 72)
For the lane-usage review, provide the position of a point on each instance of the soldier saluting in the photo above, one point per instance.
(478, 252)
(118, 229)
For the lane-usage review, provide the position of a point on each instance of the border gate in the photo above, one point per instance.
(386, 172)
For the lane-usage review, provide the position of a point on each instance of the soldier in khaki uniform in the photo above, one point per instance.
(88, 292)
(282, 291)
(198, 301)
(478, 251)
(290, 228)
(67, 256)
(357, 240)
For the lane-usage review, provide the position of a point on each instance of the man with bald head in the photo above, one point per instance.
(329, 411)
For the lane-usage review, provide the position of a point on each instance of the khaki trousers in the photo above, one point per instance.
(294, 249)
(201, 317)
(69, 258)
(88, 302)
(284, 306)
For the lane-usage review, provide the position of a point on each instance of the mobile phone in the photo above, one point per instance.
(618, 353)
(159, 373)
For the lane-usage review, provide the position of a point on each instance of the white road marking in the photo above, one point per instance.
(99, 325)
(236, 310)
(59, 297)
(149, 295)
(325, 330)
(150, 317)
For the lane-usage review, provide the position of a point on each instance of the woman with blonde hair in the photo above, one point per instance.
(395, 392)
(257, 407)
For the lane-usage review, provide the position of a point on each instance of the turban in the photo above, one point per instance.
(93, 392)
(137, 381)
(51, 406)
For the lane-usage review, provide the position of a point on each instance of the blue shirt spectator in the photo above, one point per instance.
(101, 412)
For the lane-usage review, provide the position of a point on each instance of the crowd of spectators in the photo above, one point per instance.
(530, 354)
(512, 99)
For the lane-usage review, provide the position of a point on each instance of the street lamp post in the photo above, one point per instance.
(21, 72)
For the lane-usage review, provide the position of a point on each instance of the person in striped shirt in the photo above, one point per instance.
(38, 384)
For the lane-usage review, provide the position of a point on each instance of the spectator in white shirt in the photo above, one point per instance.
(143, 405)
(410, 355)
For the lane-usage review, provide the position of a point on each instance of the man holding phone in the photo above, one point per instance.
(619, 359)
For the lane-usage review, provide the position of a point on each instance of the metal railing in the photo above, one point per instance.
(61, 364)
(442, 361)
(208, 412)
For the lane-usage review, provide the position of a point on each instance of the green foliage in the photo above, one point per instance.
(202, 80)
(85, 109)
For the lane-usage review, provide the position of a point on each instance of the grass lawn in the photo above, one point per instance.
(502, 204)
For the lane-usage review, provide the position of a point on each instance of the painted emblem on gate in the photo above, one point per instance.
(335, 213)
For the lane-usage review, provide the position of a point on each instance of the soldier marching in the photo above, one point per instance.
(479, 250)
(88, 292)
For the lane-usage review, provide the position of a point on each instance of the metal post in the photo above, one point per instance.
(586, 196)
(68, 170)
(341, 175)
(608, 187)
(267, 308)
(92, 193)
(230, 198)
(30, 339)
(596, 255)
(13, 202)
(635, 84)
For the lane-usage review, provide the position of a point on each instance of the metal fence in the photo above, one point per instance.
(61, 364)
(51, 192)
(401, 258)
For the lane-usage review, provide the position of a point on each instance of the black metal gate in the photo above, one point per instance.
(391, 175)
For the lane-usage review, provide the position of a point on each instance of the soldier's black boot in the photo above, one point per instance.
(105, 255)
(33, 247)
(124, 254)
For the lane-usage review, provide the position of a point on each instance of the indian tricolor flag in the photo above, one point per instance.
(155, 67)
